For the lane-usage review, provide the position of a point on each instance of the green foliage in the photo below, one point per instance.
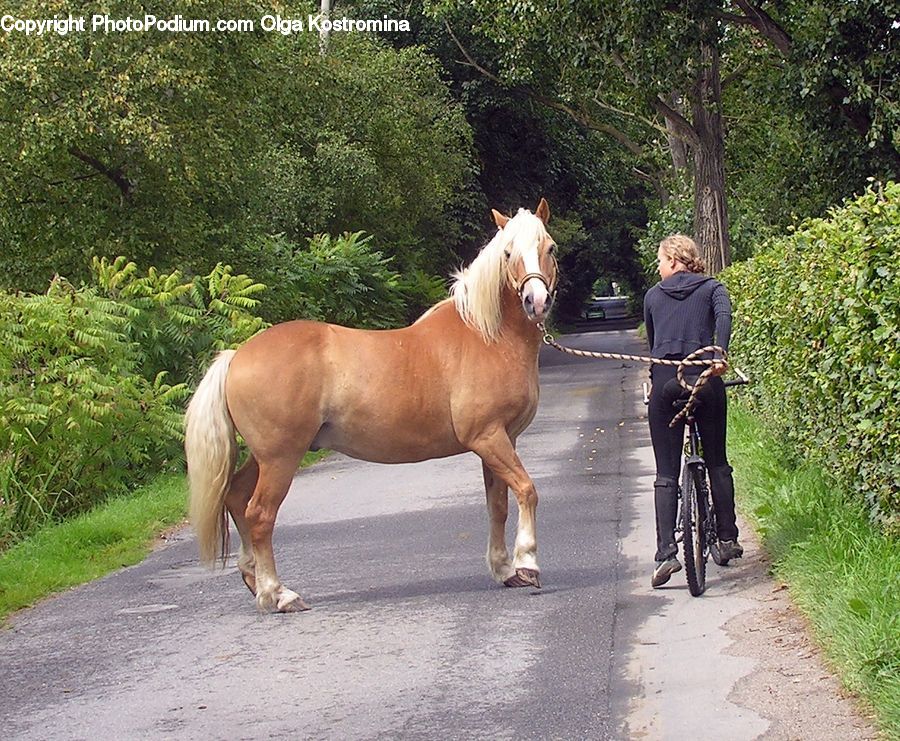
(86, 406)
(77, 420)
(806, 521)
(847, 56)
(180, 324)
(143, 144)
(673, 217)
(526, 151)
(420, 291)
(342, 280)
(178, 150)
(373, 143)
(808, 89)
(793, 122)
(818, 326)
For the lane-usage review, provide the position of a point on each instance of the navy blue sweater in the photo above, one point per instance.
(685, 312)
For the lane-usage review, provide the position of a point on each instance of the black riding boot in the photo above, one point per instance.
(722, 485)
(665, 498)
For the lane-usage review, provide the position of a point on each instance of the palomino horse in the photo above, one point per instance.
(464, 377)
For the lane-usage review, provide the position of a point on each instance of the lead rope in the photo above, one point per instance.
(679, 374)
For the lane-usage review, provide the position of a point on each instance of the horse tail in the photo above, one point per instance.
(211, 451)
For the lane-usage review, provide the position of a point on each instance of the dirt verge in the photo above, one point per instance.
(791, 685)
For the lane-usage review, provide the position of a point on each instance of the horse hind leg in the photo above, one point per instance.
(499, 454)
(239, 493)
(271, 488)
(497, 494)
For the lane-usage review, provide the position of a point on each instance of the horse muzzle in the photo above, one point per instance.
(536, 296)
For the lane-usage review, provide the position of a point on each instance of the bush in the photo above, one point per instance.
(420, 292)
(179, 325)
(77, 420)
(86, 409)
(818, 326)
(343, 280)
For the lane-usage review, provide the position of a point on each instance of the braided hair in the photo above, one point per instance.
(685, 250)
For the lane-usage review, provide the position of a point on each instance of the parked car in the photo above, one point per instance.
(605, 307)
(593, 309)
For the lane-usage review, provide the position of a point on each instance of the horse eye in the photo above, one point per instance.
(552, 249)
(507, 253)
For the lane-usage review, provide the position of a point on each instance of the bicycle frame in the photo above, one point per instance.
(696, 518)
(692, 460)
(695, 521)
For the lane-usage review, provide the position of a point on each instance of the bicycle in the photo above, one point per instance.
(695, 523)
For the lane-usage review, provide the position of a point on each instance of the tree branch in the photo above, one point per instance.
(620, 63)
(580, 116)
(762, 22)
(741, 20)
(116, 176)
(470, 61)
(682, 128)
(75, 179)
(642, 119)
(739, 72)
(656, 181)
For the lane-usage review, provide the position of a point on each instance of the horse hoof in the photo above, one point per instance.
(289, 601)
(250, 583)
(524, 578)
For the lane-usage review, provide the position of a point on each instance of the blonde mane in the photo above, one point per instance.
(476, 290)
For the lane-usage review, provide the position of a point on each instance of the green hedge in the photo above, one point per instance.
(818, 326)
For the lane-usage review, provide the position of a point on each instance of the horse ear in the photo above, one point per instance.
(543, 211)
(499, 219)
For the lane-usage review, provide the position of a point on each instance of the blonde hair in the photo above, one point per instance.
(476, 289)
(683, 249)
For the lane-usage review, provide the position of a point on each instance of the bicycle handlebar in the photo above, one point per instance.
(742, 380)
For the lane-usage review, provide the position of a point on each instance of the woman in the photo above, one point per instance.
(685, 311)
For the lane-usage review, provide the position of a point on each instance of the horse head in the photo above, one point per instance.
(530, 257)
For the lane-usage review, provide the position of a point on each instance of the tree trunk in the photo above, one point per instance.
(324, 13)
(710, 210)
(678, 147)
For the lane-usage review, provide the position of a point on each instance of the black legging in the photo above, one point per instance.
(668, 444)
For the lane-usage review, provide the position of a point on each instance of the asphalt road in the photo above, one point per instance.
(408, 636)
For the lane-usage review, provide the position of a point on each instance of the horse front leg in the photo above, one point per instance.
(497, 452)
(498, 509)
(262, 509)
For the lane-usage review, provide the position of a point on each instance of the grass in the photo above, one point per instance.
(117, 533)
(842, 571)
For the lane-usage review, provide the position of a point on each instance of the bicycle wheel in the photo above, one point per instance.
(693, 524)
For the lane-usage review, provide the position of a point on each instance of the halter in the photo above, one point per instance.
(520, 284)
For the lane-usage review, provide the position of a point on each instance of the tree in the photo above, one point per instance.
(651, 75)
(368, 139)
(527, 150)
(182, 150)
(127, 143)
(843, 53)
(625, 71)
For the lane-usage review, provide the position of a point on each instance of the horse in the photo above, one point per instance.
(463, 377)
